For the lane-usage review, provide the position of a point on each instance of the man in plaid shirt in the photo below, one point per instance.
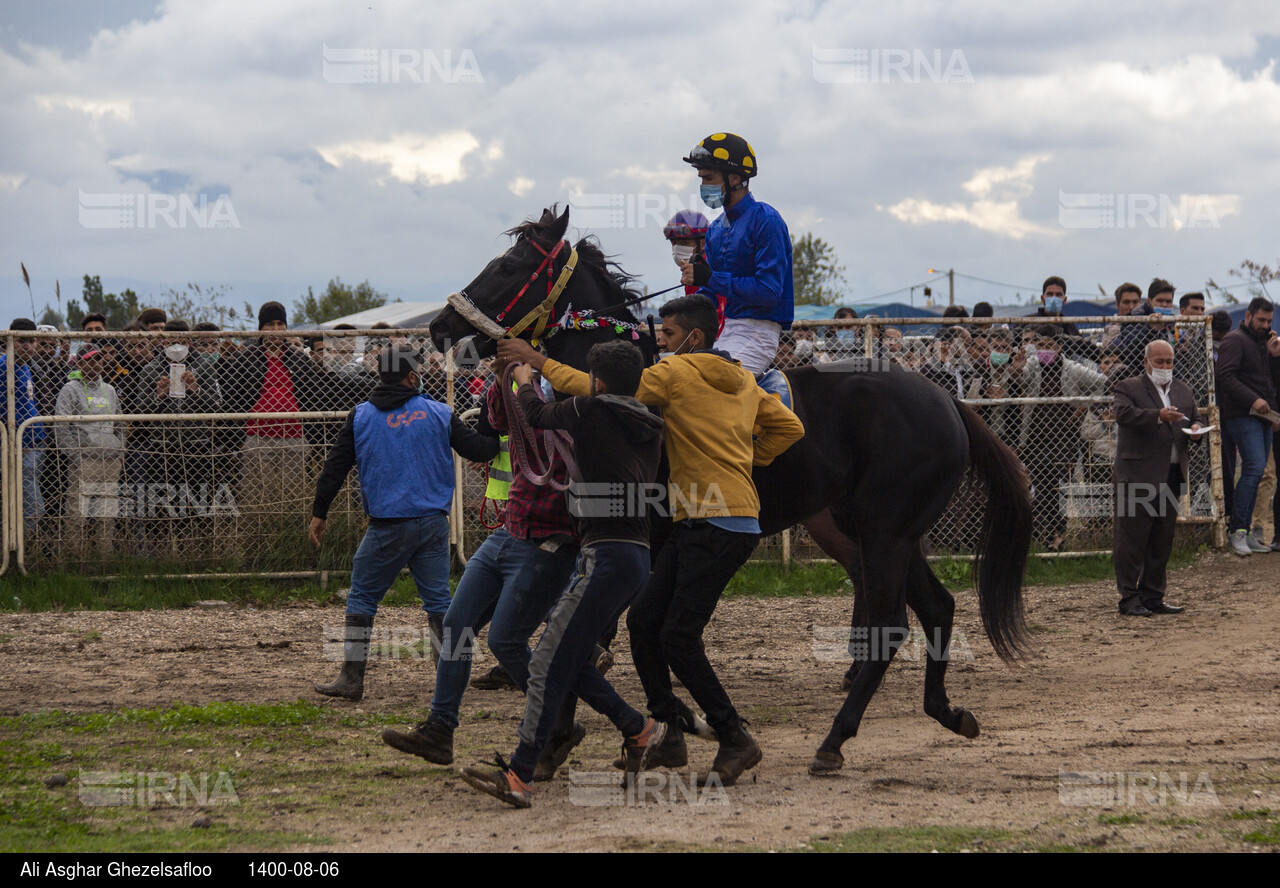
(511, 582)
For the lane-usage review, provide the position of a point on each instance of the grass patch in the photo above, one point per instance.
(769, 715)
(756, 579)
(285, 763)
(77, 592)
(1269, 835)
(1256, 814)
(1120, 819)
(760, 579)
(911, 840)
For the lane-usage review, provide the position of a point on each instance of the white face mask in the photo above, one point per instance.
(177, 353)
(662, 356)
(1161, 377)
(681, 254)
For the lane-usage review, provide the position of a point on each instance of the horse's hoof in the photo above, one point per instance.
(968, 726)
(825, 763)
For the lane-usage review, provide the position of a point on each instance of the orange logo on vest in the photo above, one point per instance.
(396, 420)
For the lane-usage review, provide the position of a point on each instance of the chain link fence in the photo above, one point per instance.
(1045, 389)
(193, 453)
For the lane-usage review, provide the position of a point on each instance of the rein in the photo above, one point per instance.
(543, 312)
(538, 316)
(537, 464)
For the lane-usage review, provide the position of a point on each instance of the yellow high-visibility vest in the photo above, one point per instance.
(499, 486)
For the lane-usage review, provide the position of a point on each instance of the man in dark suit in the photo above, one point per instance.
(1152, 412)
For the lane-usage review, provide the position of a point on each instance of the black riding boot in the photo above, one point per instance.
(355, 656)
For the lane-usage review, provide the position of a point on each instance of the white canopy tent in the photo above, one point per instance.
(397, 314)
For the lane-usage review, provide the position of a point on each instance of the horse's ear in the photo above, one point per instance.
(561, 224)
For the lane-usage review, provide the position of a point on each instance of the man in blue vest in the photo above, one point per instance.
(747, 271)
(400, 441)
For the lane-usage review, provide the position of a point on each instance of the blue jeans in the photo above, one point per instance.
(32, 502)
(607, 578)
(421, 543)
(510, 584)
(1252, 438)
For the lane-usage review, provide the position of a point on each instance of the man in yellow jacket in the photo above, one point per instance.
(719, 424)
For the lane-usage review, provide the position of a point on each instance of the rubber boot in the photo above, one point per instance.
(355, 656)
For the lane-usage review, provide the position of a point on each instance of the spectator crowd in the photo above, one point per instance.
(1067, 439)
(158, 485)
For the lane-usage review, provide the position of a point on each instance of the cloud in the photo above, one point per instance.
(96, 108)
(1016, 178)
(998, 191)
(410, 157)
(520, 186)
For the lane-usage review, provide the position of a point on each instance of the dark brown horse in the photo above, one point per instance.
(883, 452)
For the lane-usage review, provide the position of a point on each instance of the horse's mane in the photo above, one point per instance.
(590, 256)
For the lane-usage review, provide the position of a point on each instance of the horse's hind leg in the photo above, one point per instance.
(844, 550)
(935, 608)
(884, 570)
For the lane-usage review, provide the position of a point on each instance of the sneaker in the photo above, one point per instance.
(1258, 534)
(1240, 542)
(1257, 545)
(637, 750)
(1275, 544)
(499, 781)
(431, 740)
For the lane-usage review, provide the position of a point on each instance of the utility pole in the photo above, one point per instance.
(951, 279)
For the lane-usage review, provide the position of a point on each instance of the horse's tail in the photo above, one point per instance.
(1005, 537)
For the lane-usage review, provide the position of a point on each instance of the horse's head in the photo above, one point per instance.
(493, 290)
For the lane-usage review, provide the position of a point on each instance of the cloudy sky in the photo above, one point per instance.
(1103, 142)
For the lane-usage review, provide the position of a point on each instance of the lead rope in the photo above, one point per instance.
(537, 464)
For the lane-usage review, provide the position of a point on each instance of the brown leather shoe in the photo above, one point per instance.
(431, 740)
(738, 752)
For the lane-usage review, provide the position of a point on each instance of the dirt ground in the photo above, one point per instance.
(1196, 694)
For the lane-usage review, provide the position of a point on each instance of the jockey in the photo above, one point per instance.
(748, 254)
(687, 231)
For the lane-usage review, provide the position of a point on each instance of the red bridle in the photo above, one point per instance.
(548, 262)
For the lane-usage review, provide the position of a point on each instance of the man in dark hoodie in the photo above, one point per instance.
(617, 444)
(400, 441)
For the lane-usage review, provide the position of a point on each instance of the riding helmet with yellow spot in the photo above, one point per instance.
(727, 152)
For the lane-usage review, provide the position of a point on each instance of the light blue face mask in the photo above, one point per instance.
(1053, 305)
(1164, 309)
(712, 196)
(999, 359)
